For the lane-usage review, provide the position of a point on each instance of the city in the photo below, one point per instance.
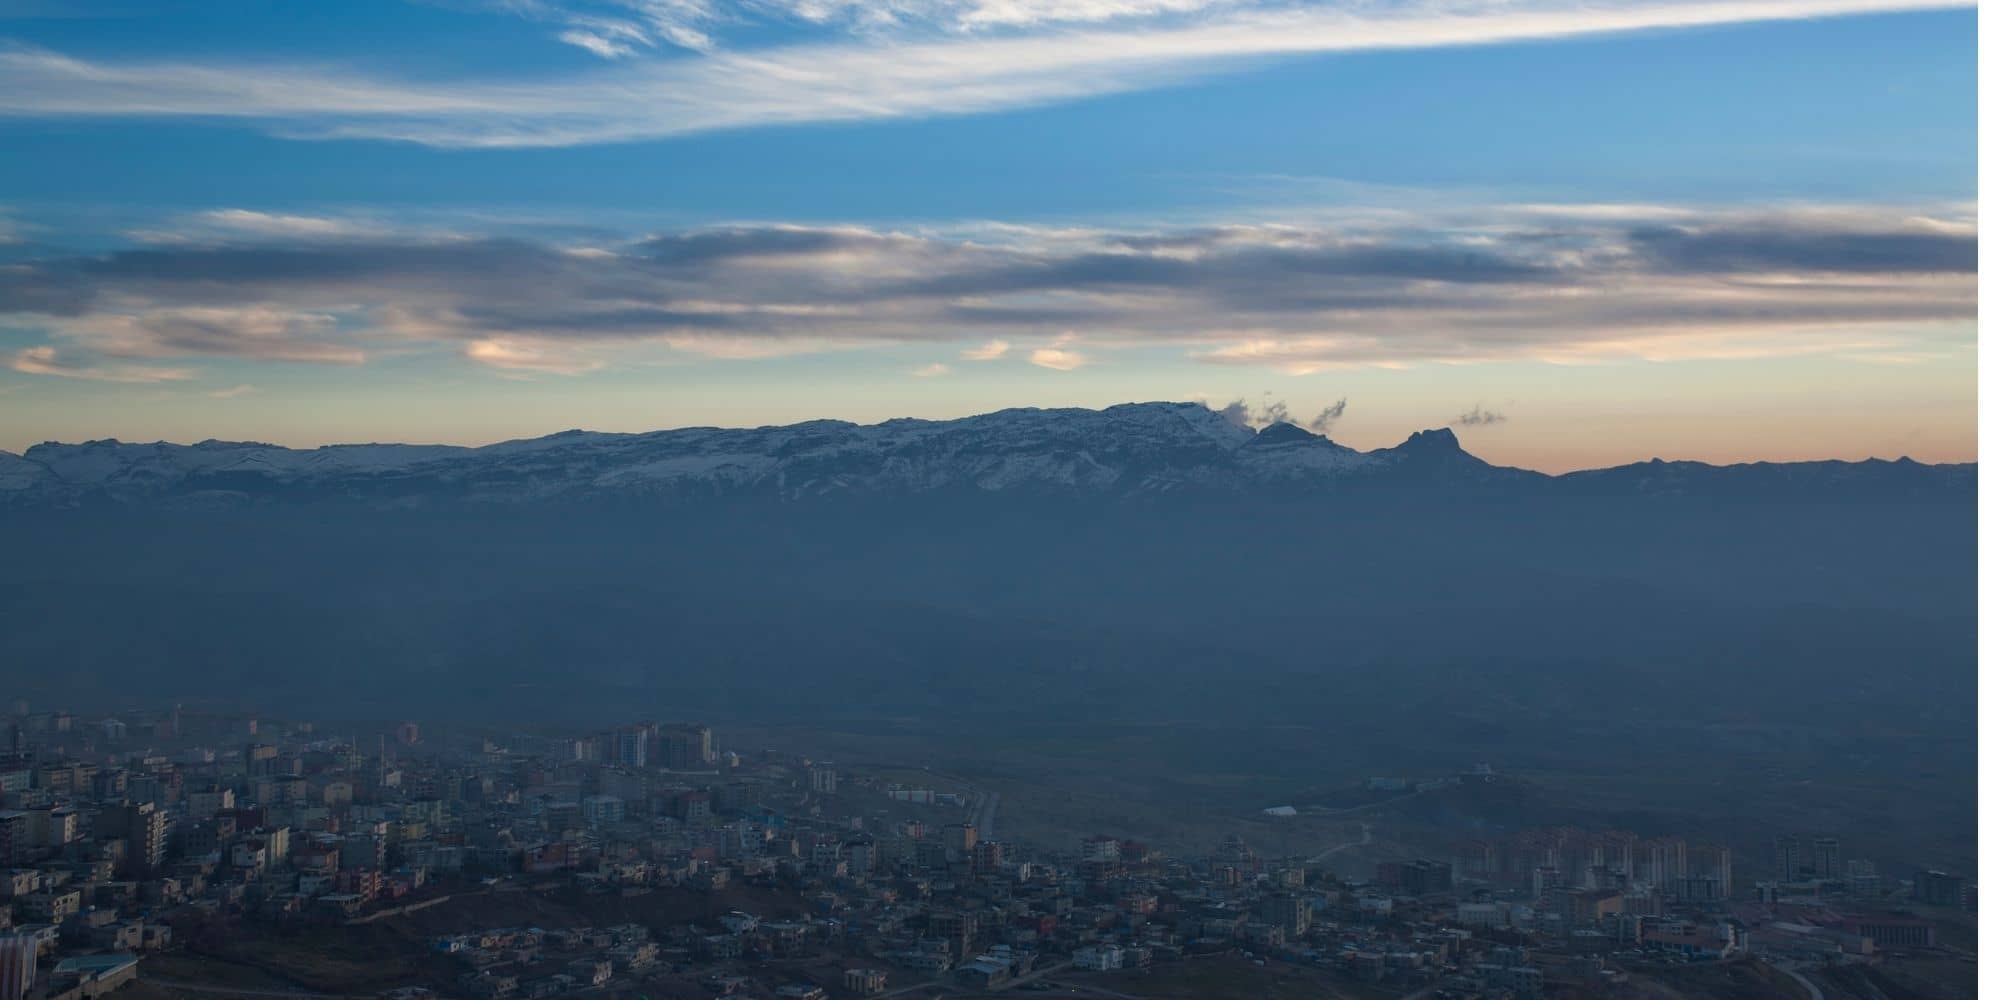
(179, 853)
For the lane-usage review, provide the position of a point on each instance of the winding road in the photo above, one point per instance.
(1367, 837)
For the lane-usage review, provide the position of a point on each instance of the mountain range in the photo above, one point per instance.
(1153, 564)
(1135, 450)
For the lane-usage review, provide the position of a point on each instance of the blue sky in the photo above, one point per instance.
(1694, 229)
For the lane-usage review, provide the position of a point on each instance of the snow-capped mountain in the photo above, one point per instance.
(1138, 449)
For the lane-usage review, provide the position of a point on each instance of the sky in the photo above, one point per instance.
(1578, 233)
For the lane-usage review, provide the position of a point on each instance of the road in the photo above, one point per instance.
(944, 987)
(940, 985)
(984, 804)
(1037, 974)
(1079, 983)
(1072, 986)
(1367, 837)
(983, 809)
(1812, 988)
(227, 991)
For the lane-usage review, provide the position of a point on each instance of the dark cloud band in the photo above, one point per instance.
(1286, 296)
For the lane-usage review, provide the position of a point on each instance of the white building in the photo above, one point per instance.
(1098, 958)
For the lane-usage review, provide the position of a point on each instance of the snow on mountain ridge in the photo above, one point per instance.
(17, 474)
(1126, 450)
(1142, 445)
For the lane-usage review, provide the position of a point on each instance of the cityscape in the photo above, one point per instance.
(169, 852)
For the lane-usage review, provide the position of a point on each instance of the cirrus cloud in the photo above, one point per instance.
(1046, 56)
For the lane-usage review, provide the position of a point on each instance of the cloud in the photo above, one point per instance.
(615, 29)
(1057, 359)
(250, 331)
(1241, 413)
(961, 16)
(932, 370)
(1590, 289)
(223, 226)
(598, 45)
(1479, 416)
(517, 356)
(48, 360)
(278, 224)
(900, 67)
(234, 391)
(1794, 245)
(1323, 421)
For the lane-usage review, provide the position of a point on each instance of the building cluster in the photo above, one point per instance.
(116, 832)
(538, 962)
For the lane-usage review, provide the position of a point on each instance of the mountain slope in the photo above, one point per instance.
(1132, 450)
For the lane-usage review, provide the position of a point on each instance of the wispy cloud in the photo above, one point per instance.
(932, 370)
(271, 224)
(602, 45)
(249, 330)
(1479, 416)
(1243, 413)
(1590, 289)
(614, 29)
(514, 355)
(992, 350)
(238, 224)
(1058, 359)
(1052, 52)
(1323, 422)
(620, 25)
(234, 391)
(48, 360)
